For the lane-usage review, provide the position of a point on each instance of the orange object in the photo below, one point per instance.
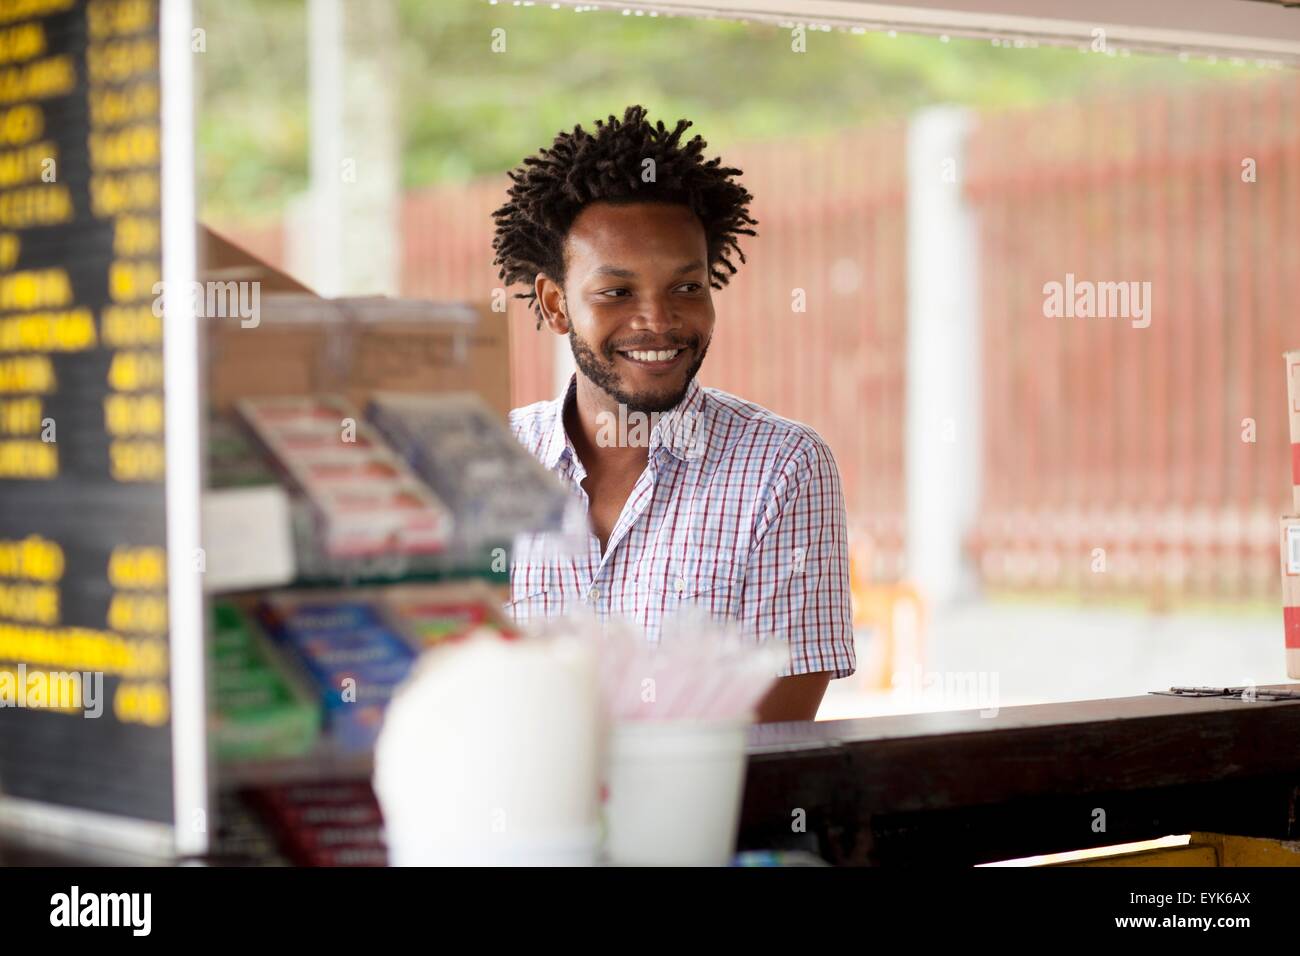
(895, 614)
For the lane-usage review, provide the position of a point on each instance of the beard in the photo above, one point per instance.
(601, 371)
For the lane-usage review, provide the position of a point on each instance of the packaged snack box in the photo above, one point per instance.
(1291, 592)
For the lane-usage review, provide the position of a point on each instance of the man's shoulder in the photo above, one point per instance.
(739, 425)
(531, 422)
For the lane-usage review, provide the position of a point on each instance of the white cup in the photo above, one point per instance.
(674, 792)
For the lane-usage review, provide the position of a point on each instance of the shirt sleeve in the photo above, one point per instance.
(796, 580)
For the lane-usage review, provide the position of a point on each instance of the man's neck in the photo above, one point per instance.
(588, 418)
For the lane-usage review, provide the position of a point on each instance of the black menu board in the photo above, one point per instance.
(84, 660)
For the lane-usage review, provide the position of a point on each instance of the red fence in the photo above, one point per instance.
(831, 223)
(1105, 436)
(1099, 435)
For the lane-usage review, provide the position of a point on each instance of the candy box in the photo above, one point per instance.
(297, 616)
(260, 708)
(464, 452)
(366, 500)
(1291, 592)
(1293, 416)
(388, 517)
(325, 824)
(431, 614)
(352, 656)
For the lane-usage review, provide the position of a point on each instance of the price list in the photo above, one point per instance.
(84, 707)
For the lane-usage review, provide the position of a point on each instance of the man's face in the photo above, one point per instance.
(637, 301)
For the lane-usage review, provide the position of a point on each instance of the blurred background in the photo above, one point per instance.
(1041, 507)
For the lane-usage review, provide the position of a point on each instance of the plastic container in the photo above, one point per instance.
(674, 791)
(413, 845)
(490, 755)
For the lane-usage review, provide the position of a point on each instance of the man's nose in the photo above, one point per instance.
(657, 315)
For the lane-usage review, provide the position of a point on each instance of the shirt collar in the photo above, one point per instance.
(557, 442)
(680, 431)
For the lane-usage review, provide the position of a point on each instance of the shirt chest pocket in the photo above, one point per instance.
(532, 596)
(702, 583)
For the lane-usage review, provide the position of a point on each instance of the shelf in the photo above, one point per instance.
(325, 762)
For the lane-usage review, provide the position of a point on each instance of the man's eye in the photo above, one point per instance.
(612, 293)
(689, 287)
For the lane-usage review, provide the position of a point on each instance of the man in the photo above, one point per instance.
(693, 497)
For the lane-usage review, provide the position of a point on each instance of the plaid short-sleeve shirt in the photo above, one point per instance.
(738, 511)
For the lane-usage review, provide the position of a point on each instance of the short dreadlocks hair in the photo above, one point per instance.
(579, 168)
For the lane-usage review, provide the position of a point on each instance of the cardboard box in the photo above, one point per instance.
(220, 259)
(301, 344)
(1291, 592)
(1293, 406)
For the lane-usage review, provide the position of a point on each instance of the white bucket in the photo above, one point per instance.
(490, 754)
(412, 847)
(674, 794)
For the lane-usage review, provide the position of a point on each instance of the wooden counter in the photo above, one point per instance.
(959, 788)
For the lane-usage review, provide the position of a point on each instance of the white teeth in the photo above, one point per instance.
(662, 356)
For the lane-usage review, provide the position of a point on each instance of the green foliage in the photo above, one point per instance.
(467, 111)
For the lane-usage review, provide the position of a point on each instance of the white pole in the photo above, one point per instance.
(943, 421)
(355, 165)
(181, 433)
(325, 112)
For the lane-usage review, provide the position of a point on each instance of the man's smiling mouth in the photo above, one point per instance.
(652, 355)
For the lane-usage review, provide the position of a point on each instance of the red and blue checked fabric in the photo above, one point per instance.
(739, 512)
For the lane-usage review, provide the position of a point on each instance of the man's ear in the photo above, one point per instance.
(551, 299)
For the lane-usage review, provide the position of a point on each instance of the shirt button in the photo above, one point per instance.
(594, 594)
(680, 585)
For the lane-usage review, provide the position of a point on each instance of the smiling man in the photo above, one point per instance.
(694, 497)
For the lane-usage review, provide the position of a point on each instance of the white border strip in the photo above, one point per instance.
(181, 405)
(70, 830)
(1203, 27)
